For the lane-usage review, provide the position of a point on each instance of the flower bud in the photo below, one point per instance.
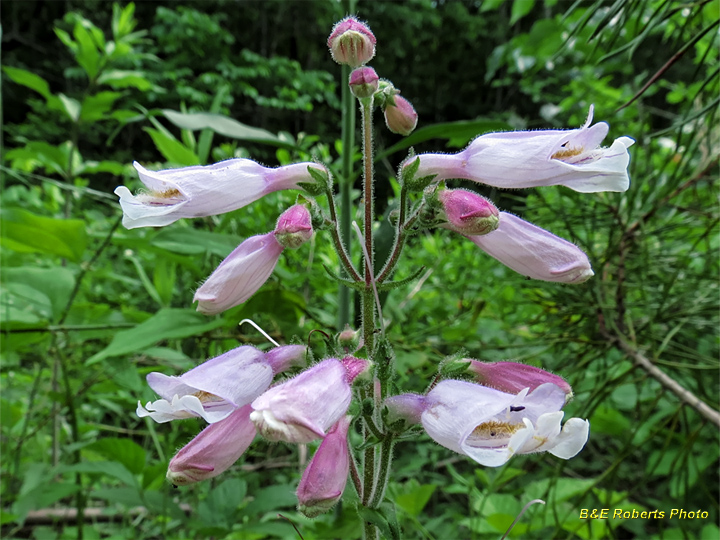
(363, 82)
(294, 227)
(349, 339)
(467, 212)
(324, 479)
(351, 43)
(400, 118)
(512, 377)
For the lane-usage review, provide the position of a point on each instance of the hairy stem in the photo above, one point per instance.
(348, 143)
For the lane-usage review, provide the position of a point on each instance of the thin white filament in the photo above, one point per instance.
(250, 321)
(528, 505)
(368, 265)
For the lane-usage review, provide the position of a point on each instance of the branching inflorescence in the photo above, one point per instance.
(487, 412)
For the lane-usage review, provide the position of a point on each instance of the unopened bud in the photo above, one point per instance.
(349, 339)
(467, 212)
(294, 227)
(363, 82)
(351, 43)
(401, 117)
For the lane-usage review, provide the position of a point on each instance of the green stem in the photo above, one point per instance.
(400, 237)
(340, 243)
(348, 144)
(368, 306)
(383, 475)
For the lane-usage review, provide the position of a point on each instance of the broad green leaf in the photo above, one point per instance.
(126, 496)
(39, 154)
(457, 133)
(87, 54)
(109, 468)
(164, 279)
(520, 8)
(165, 324)
(42, 496)
(223, 125)
(28, 79)
(188, 241)
(118, 78)
(24, 306)
(56, 284)
(96, 106)
(491, 5)
(71, 107)
(124, 451)
(173, 150)
(27, 232)
(271, 498)
(414, 501)
(112, 167)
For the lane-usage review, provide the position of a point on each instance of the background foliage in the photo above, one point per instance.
(88, 308)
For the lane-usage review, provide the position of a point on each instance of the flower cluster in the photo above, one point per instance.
(488, 412)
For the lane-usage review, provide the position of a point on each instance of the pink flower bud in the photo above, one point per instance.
(294, 227)
(213, 450)
(351, 43)
(349, 339)
(364, 82)
(324, 479)
(400, 118)
(512, 377)
(467, 212)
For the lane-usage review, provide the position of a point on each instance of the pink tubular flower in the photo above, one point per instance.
(534, 252)
(467, 212)
(351, 43)
(250, 265)
(324, 479)
(490, 426)
(205, 190)
(523, 159)
(212, 390)
(401, 118)
(512, 377)
(303, 408)
(213, 450)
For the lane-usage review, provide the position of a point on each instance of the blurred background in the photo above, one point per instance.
(89, 308)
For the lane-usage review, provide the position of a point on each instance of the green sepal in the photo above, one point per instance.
(384, 359)
(343, 281)
(455, 366)
(391, 285)
(407, 176)
(322, 184)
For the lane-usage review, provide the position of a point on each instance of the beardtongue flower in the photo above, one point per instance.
(363, 82)
(250, 265)
(213, 450)
(401, 118)
(513, 377)
(523, 159)
(490, 426)
(303, 408)
(324, 479)
(205, 190)
(467, 212)
(217, 387)
(351, 43)
(534, 252)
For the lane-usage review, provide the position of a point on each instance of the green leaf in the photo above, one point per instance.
(95, 107)
(109, 468)
(164, 279)
(26, 232)
(223, 125)
(520, 8)
(119, 78)
(87, 54)
(166, 324)
(173, 150)
(71, 107)
(188, 241)
(491, 5)
(415, 500)
(457, 133)
(42, 496)
(124, 451)
(271, 498)
(56, 284)
(39, 154)
(28, 79)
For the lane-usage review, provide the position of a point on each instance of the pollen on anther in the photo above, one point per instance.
(567, 152)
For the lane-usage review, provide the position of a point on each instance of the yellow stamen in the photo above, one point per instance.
(494, 430)
(567, 152)
(206, 397)
(168, 194)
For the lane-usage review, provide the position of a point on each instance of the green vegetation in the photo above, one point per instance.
(89, 308)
